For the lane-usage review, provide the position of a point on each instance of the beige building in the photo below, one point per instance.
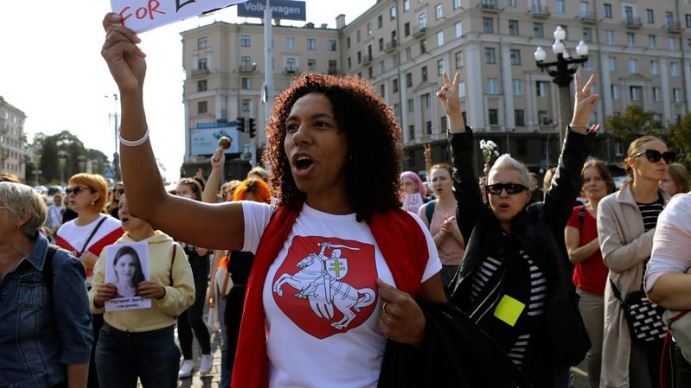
(639, 49)
(12, 138)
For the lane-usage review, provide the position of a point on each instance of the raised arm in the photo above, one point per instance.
(183, 219)
(465, 183)
(566, 183)
(217, 160)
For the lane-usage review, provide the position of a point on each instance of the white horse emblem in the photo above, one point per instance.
(318, 281)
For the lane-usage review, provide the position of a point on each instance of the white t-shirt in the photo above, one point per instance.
(321, 296)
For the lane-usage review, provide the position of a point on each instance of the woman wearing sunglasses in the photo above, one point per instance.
(116, 192)
(87, 235)
(626, 223)
(514, 280)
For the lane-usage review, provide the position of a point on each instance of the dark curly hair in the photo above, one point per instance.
(374, 157)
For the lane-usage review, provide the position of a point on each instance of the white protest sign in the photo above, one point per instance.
(144, 15)
(126, 266)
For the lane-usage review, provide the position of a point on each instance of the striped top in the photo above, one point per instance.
(536, 303)
(650, 212)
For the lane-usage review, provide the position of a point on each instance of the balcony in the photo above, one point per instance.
(539, 11)
(248, 68)
(198, 72)
(391, 46)
(632, 22)
(587, 17)
(674, 28)
(419, 31)
(291, 70)
(489, 5)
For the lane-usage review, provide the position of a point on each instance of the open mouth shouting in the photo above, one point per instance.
(302, 164)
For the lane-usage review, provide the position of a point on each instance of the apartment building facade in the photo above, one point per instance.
(12, 150)
(640, 50)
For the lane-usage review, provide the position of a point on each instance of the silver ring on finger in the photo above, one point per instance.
(383, 307)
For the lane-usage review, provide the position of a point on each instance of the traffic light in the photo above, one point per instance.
(252, 127)
(241, 124)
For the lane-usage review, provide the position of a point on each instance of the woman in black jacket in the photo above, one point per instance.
(514, 281)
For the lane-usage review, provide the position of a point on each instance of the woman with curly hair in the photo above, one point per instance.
(327, 256)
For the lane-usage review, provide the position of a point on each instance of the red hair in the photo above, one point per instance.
(255, 186)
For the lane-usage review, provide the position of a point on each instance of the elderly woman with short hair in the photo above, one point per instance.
(45, 324)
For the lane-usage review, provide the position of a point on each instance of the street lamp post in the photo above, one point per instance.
(563, 73)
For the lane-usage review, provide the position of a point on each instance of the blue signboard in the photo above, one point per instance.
(281, 9)
(204, 141)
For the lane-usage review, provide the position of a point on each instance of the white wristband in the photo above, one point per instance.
(134, 143)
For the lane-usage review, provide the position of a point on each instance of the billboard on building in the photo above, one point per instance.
(204, 141)
(281, 9)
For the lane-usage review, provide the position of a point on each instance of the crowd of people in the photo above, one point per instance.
(390, 280)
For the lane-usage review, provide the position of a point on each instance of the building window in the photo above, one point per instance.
(652, 41)
(513, 28)
(409, 80)
(428, 128)
(538, 30)
(202, 107)
(459, 59)
(290, 42)
(245, 62)
(493, 116)
(438, 11)
(357, 36)
(406, 29)
(587, 35)
(423, 46)
(630, 39)
(559, 6)
(245, 41)
(331, 44)
(676, 95)
(488, 25)
(519, 117)
(246, 105)
(612, 64)
(517, 87)
(458, 29)
(408, 53)
(654, 68)
(609, 36)
(672, 43)
(492, 86)
(380, 21)
(311, 44)
(541, 88)
(394, 85)
(656, 94)
(635, 93)
(424, 100)
(382, 90)
(669, 18)
(650, 16)
(392, 13)
(359, 57)
(633, 65)
(511, 3)
(423, 73)
(422, 20)
(247, 83)
(674, 69)
(381, 44)
(202, 43)
(687, 18)
(616, 93)
(381, 67)
(370, 73)
(201, 64)
(515, 57)
(608, 10)
(490, 55)
(461, 90)
(312, 64)
(348, 42)
(411, 132)
(440, 38)
(543, 117)
(350, 63)
(443, 124)
(369, 28)
(406, 5)
(411, 106)
(201, 85)
(440, 67)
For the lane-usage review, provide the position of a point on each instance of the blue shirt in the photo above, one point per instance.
(43, 330)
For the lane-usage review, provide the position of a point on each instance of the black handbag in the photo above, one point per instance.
(643, 316)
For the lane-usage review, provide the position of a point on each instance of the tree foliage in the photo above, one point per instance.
(680, 140)
(633, 123)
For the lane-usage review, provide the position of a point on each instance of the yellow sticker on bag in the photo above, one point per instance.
(509, 310)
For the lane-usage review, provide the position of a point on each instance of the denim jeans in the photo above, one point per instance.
(152, 356)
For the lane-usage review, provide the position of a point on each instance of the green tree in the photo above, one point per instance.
(633, 123)
(49, 164)
(680, 140)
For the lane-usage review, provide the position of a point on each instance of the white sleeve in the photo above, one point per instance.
(256, 216)
(433, 261)
(671, 241)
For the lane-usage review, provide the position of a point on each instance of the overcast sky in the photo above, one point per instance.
(52, 70)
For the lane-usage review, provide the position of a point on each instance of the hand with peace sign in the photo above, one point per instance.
(448, 96)
(584, 103)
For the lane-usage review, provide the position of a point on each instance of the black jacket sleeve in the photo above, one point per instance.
(465, 182)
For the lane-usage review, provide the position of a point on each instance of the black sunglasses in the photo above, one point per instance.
(654, 156)
(511, 188)
(121, 191)
(75, 189)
